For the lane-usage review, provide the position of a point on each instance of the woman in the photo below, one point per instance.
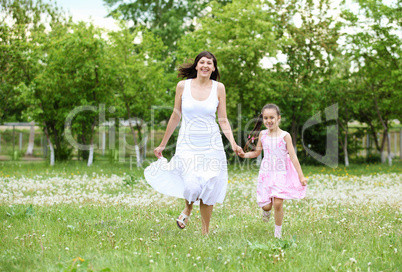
(198, 170)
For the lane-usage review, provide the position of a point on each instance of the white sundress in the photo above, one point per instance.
(198, 170)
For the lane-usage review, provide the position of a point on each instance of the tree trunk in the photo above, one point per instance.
(389, 149)
(386, 135)
(345, 145)
(31, 140)
(91, 148)
(345, 148)
(91, 154)
(50, 146)
(384, 138)
(137, 150)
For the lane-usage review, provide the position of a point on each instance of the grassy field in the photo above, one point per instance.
(106, 218)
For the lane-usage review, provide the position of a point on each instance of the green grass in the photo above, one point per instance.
(316, 236)
(26, 168)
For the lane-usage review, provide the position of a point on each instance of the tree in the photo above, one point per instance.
(168, 20)
(239, 51)
(21, 21)
(138, 76)
(72, 77)
(309, 49)
(374, 49)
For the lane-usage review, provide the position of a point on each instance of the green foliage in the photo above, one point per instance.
(130, 180)
(373, 49)
(169, 20)
(22, 21)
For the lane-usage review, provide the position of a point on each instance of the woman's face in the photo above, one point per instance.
(205, 67)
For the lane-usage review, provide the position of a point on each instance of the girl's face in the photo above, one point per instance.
(205, 67)
(271, 119)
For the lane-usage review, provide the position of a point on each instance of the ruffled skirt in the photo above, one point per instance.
(193, 176)
(278, 184)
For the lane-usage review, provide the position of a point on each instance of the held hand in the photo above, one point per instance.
(237, 149)
(158, 151)
(303, 181)
(241, 153)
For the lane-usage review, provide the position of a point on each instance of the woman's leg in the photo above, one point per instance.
(206, 213)
(187, 211)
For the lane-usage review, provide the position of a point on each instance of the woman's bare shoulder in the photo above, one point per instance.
(180, 86)
(221, 88)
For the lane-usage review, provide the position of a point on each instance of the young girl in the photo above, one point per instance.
(280, 175)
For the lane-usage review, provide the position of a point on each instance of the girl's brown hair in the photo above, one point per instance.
(188, 70)
(253, 137)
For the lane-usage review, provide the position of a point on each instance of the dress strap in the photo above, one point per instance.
(187, 87)
(214, 90)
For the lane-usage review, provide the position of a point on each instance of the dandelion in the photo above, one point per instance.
(395, 250)
(220, 248)
(151, 261)
(353, 260)
(188, 255)
(67, 249)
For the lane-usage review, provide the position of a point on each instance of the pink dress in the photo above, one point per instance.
(278, 177)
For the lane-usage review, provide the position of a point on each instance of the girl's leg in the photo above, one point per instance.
(267, 207)
(187, 211)
(206, 213)
(266, 212)
(278, 206)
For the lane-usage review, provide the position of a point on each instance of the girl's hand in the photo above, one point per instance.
(303, 181)
(242, 154)
(158, 151)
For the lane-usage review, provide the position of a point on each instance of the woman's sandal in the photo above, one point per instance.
(183, 217)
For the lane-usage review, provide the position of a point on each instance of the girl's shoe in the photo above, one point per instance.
(278, 234)
(266, 215)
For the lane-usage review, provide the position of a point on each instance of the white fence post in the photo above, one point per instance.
(103, 143)
(20, 141)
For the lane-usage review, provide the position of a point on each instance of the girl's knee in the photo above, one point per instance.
(278, 204)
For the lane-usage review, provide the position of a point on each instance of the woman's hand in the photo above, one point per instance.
(158, 151)
(237, 149)
(303, 181)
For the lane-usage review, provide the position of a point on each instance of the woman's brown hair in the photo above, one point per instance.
(188, 70)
